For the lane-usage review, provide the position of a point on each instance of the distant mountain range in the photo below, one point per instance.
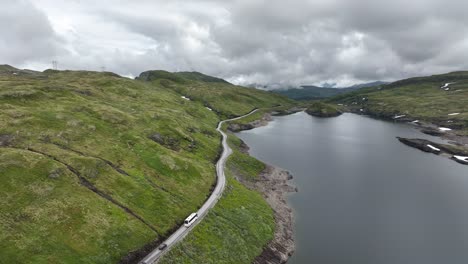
(310, 92)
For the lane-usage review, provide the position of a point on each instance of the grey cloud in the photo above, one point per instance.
(251, 41)
(26, 34)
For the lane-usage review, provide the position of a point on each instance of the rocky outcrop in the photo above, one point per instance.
(165, 141)
(432, 131)
(6, 140)
(421, 144)
(450, 151)
(237, 127)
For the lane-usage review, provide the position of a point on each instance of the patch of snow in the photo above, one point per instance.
(362, 110)
(446, 85)
(340, 104)
(415, 121)
(186, 98)
(432, 147)
(398, 116)
(209, 108)
(444, 129)
(450, 121)
(452, 114)
(15, 73)
(465, 159)
(446, 89)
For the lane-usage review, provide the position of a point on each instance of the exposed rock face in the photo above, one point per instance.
(421, 144)
(432, 132)
(166, 141)
(236, 127)
(6, 140)
(443, 149)
(273, 184)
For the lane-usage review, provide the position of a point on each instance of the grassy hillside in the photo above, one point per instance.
(417, 98)
(227, 99)
(316, 93)
(94, 165)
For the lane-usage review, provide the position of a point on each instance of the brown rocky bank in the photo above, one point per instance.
(236, 127)
(272, 183)
(445, 150)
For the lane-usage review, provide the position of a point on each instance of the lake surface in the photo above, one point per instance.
(364, 197)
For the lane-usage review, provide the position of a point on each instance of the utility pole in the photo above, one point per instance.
(103, 68)
(54, 65)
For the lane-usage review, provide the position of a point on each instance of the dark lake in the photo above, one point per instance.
(364, 197)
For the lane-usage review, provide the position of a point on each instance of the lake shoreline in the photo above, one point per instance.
(427, 128)
(423, 126)
(273, 184)
(370, 175)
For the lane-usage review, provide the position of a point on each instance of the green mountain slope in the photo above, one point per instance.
(309, 92)
(421, 98)
(226, 99)
(94, 165)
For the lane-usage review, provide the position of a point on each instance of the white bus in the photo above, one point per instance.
(190, 219)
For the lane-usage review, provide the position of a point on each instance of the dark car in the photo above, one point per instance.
(162, 246)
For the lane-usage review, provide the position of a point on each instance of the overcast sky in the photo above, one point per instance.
(244, 41)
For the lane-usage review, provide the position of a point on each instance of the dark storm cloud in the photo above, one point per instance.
(25, 33)
(253, 41)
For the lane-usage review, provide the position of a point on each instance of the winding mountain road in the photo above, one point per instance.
(180, 233)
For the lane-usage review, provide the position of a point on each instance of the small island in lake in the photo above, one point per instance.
(321, 109)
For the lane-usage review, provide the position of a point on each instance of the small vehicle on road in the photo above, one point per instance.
(162, 246)
(190, 219)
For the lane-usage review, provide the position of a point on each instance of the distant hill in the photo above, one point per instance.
(439, 99)
(197, 76)
(310, 92)
(6, 69)
(179, 77)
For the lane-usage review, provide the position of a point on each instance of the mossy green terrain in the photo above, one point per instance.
(94, 165)
(419, 98)
(321, 109)
(227, 99)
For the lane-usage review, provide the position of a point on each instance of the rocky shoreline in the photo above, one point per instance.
(455, 153)
(236, 127)
(272, 183)
(425, 127)
(455, 150)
